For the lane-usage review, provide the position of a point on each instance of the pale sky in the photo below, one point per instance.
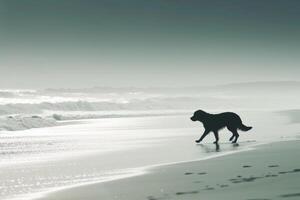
(86, 43)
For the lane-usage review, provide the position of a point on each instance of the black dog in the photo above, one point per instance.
(215, 122)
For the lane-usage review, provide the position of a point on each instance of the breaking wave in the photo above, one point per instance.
(15, 123)
(149, 104)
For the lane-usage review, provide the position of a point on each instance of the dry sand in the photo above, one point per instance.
(271, 171)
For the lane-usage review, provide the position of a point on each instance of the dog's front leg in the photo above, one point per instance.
(216, 136)
(203, 136)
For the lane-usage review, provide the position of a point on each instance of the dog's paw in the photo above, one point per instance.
(197, 141)
(215, 142)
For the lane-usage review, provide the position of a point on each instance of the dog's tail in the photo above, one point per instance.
(245, 128)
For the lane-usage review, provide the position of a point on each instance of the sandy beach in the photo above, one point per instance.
(271, 171)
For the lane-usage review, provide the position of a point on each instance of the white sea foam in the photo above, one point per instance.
(14, 123)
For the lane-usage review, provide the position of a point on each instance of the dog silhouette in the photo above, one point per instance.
(215, 122)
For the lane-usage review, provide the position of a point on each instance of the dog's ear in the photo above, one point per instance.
(199, 114)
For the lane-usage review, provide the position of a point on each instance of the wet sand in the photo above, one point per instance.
(271, 171)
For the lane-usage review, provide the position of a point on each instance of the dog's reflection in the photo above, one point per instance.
(208, 148)
(217, 147)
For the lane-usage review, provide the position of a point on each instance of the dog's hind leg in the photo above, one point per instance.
(203, 136)
(231, 138)
(216, 136)
(235, 135)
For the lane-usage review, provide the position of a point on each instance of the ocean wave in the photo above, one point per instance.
(21, 116)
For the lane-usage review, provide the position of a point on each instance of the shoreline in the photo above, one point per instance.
(152, 171)
(13, 123)
(46, 121)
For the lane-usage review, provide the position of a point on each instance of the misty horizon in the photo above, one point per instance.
(207, 86)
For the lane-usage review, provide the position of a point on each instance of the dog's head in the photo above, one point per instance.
(199, 115)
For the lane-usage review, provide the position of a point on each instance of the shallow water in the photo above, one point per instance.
(44, 159)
